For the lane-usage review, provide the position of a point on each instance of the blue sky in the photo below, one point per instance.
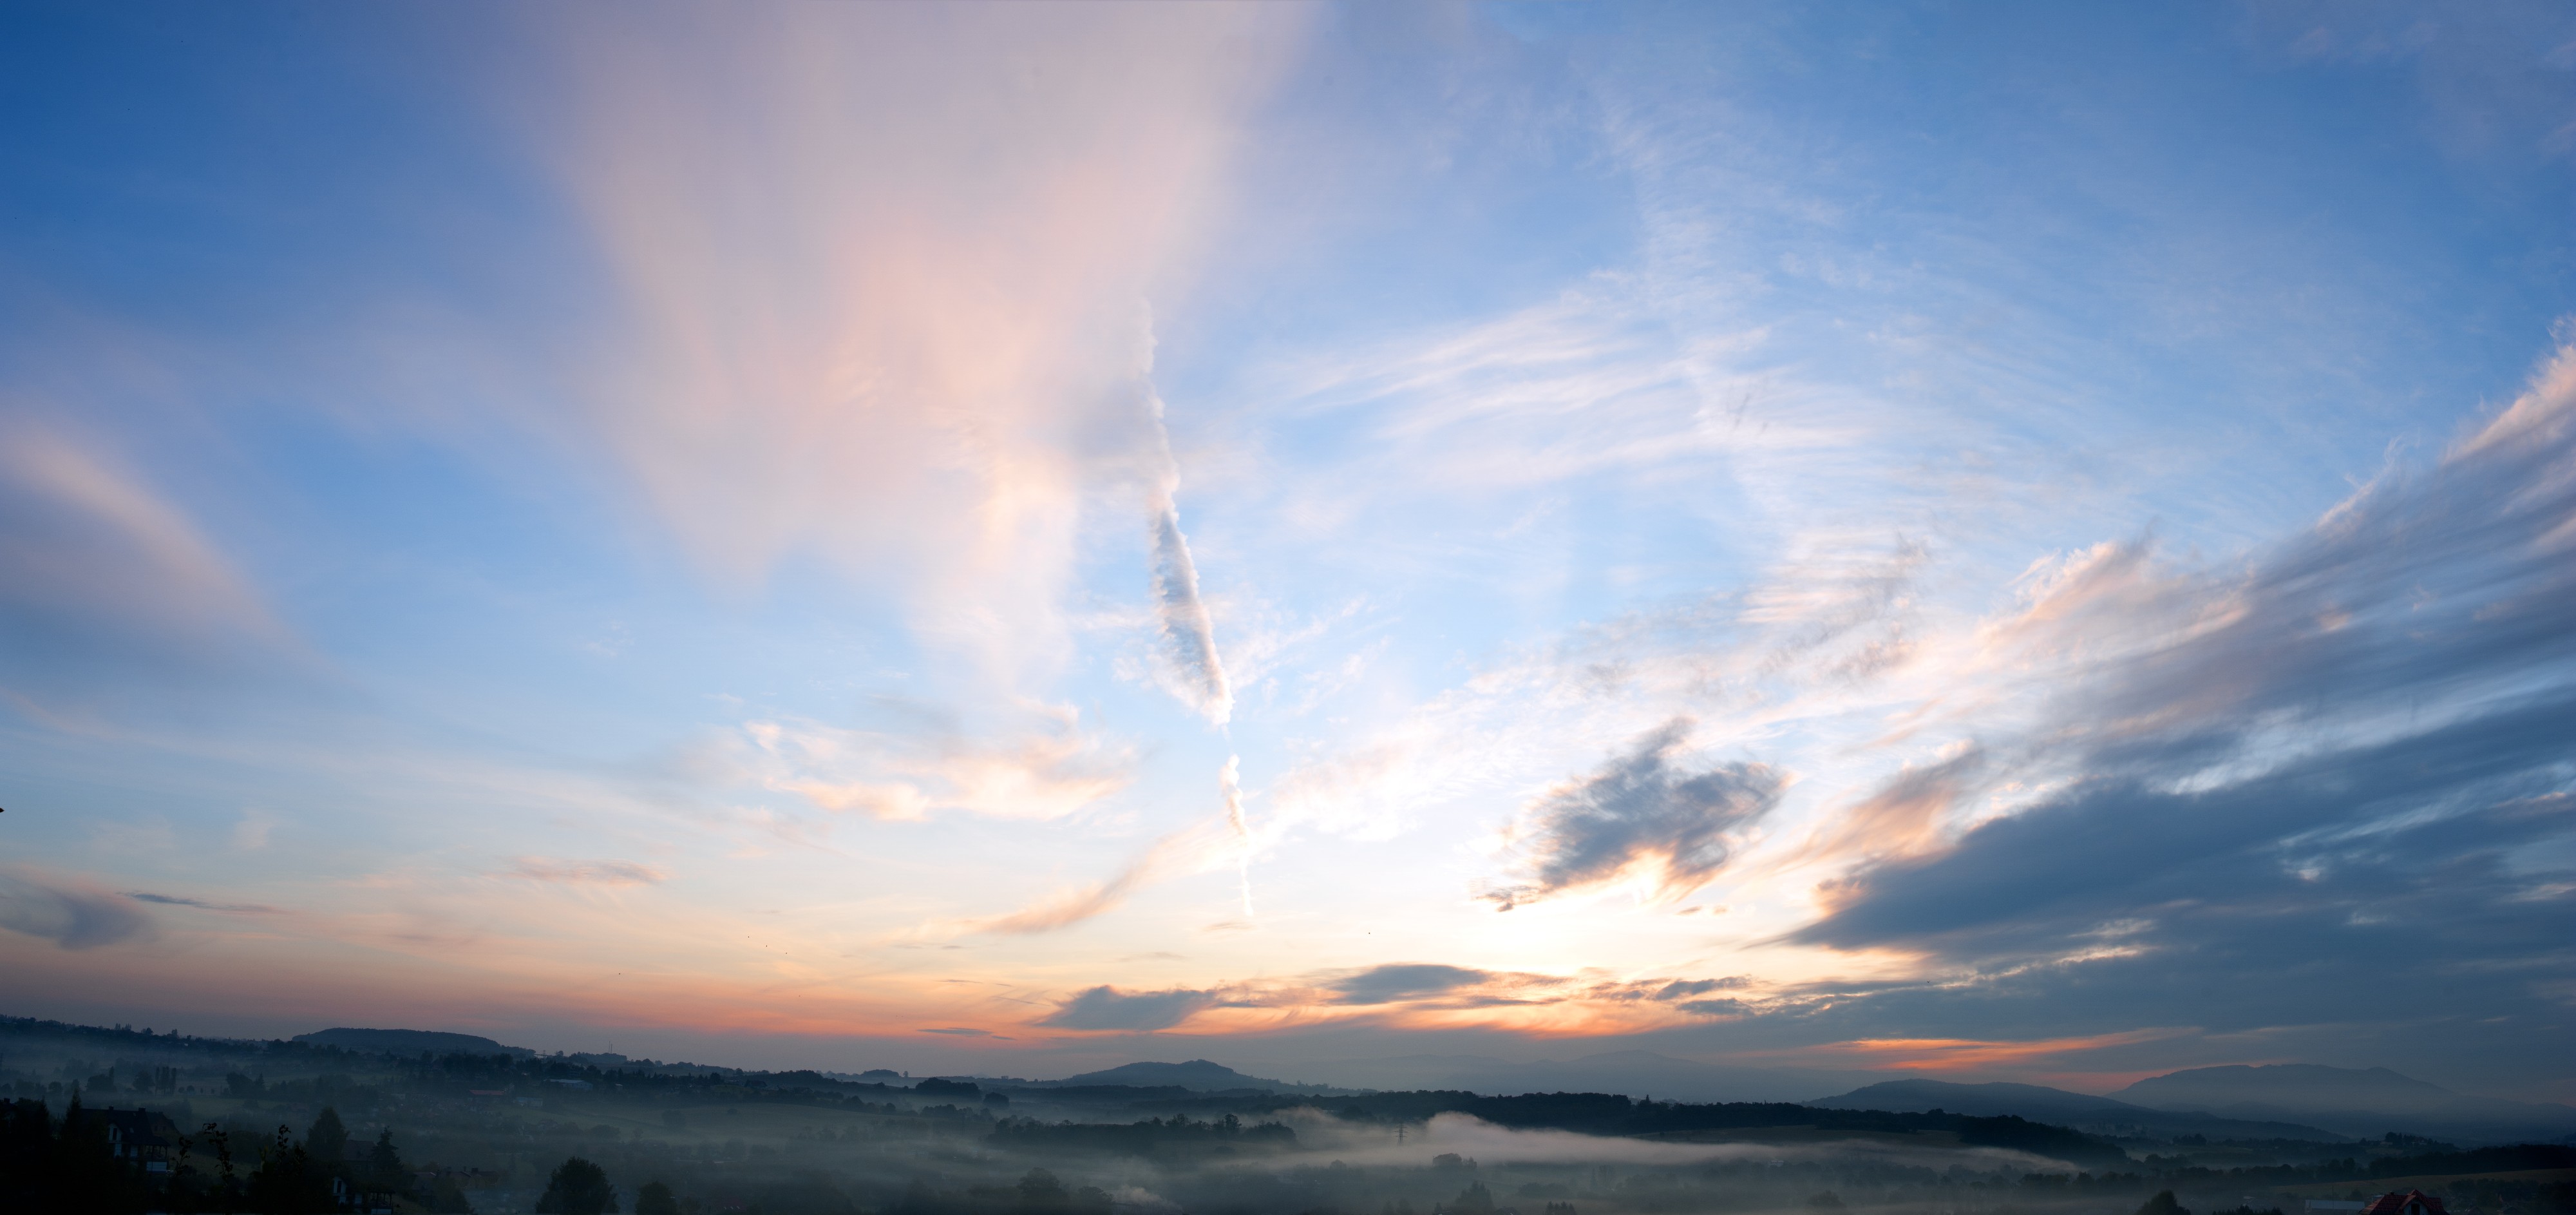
(2005, 541)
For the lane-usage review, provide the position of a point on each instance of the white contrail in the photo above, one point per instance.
(1189, 637)
(1233, 787)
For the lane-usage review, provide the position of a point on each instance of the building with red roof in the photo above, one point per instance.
(2412, 1202)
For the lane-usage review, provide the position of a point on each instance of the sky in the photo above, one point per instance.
(2012, 541)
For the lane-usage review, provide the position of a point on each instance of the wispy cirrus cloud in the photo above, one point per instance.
(904, 347)
(1197, 848)
(172, 900)
(588, 873)
(100, 570)
(1044, 772)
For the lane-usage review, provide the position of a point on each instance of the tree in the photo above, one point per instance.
(288, 1181)
(578, 1187)
(328, 1141)
(445, 1197)
(804, 1194)
(2163, 1204)
(918, 1199)
(656, 1199)
(1041, 1191)
(384, 1165)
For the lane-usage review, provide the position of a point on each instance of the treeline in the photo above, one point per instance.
(102, 1162)
(460, 1073)
(1151, 1137)
(2553, 1196)
(2515, 1158)
(1611, 1114)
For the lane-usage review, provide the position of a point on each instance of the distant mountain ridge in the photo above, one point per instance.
(2081, 1111)
(1197, 1075)
(2355, 1101)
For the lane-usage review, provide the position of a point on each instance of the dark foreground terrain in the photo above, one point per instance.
(120, 1120)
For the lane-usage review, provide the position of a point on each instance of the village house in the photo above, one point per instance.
(141, 1136)
(2412, 1202)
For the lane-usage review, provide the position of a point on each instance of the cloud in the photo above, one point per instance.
(1230, 786)
(1045, 773)
(1639, 812)
(1107, 1008)
(2339, 765)
(1195, 848)
(1400, 981)
(72, 914)
(1189, 638)
(965, 1032)
(172, 900)
(2413, 653)
(589, 873)
(905, 347)
(1189, 635)
(2118, 844)
(1070, 907)
(1904, 815)
(100, 571)
(1679, 988)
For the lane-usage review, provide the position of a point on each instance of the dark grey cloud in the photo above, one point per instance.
(2433, 615)
(172, 900)
(1402, 980)
(1692, 987)
(2263, 953)
(2116, 846)
(1106, 1007)
(2346, 769)
(72, 915)
(1642, 808)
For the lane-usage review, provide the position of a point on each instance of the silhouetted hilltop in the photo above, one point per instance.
(2364, 1102)
(411, 1042)
(2097, 1115)
(1197, 1075)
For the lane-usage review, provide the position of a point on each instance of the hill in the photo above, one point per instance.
(1197, 1075)
(2364, 1102)
(2093, 1115)
(411, 1042)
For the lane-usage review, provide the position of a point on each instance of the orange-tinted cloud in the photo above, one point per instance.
(1903, 817)
(1970, 1054)
(914, 348)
